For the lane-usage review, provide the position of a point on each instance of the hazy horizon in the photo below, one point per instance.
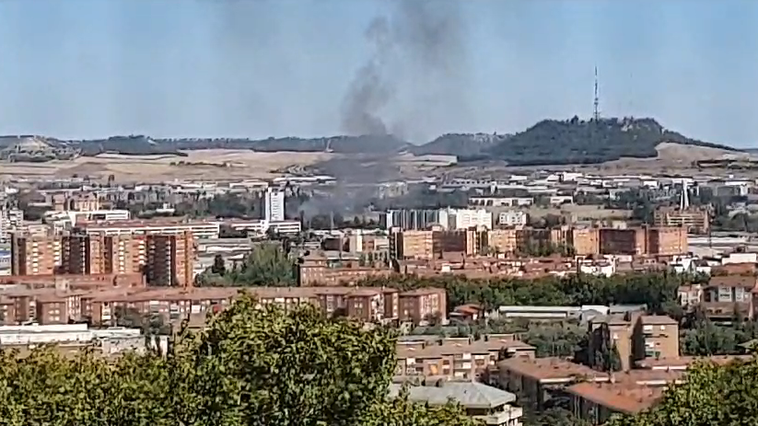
(258, 68)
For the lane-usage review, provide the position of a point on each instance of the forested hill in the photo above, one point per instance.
(460, 144)
(588, 142)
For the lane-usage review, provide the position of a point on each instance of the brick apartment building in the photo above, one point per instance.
(77, 282)
(170, 259)
(423, 305)
(35, 255)
(165, 260)
(661, 241)
(102, 254)
(432, 244)
(59, 302)
(635, 337)
(315, 270)
(459, 358)
(724, 296)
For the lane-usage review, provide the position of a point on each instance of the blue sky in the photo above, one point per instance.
(259, 68)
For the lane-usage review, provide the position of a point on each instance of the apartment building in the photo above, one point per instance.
(456, 358)
(75, 201)
(727, 296)
(60, 301)
(505, 240)
(423, 305)
(413, 219)
(628, 393)
(201, 230)
(430, 244)
(512, 218)
(98, 254)
(510, 241)
(77, 282)
(35, 255)
(586, 241)
(664, 241)
(315, 270)
(446, 219)
(657, 336)
(412, 245)
(462, 219)
(170, 260)
(489, 405)
(534, 379)
(11, 220)
(635, 337)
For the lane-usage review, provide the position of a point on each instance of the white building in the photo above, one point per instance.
(64, 333)
(489, 405)
(501, 201)
(200, 230)
(468, 218)
(259, 227)
(273, 205)
(11, 220)
(513, 218)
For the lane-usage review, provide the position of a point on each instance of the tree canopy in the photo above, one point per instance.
(251, 366)
(712, 395)
(266, 265)
(657, 290)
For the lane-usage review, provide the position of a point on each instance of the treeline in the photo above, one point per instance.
(656, 290)
(251, 366)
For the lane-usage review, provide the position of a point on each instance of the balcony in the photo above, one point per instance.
(510, 417)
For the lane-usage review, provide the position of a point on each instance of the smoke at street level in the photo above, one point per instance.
(413, 85)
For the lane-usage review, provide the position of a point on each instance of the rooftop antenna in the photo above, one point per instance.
(596, 103)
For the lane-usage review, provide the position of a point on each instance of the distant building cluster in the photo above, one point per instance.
(98, 299)
(640, 241)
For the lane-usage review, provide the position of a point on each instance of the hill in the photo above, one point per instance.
(553, 142)
(549, 142)
(338, 144)
(124, 145)
(459, 144)
(34, 149)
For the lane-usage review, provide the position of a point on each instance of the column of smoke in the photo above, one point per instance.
(413, 84)
(411, 87)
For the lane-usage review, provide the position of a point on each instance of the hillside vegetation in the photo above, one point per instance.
(548, 142)
(460, 144)
(588, 142)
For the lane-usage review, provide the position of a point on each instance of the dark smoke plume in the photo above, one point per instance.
(369, 91)
(412, 85)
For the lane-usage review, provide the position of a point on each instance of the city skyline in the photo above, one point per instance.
(87, 68)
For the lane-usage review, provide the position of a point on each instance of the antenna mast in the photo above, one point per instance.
(596, 103)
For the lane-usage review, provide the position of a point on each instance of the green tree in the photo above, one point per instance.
(554, 416)
(266, 265)
(219, 265)
(724, 395)
(252, 365)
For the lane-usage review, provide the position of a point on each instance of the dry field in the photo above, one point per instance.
(672, 158)
(212, 164)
